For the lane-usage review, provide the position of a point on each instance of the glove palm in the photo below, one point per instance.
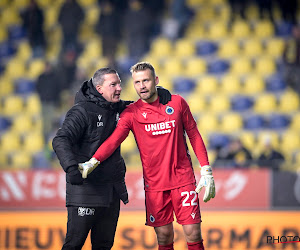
(207, 181)
(87, 167)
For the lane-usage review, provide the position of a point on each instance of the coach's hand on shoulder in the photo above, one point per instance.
(206, 181)
(73, 176)
(87, 167)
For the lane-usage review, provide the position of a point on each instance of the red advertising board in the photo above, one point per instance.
(235, 189)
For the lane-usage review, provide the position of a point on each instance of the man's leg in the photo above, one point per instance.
(78, 227)
(104, 228)
(165, 236)
(193, 236)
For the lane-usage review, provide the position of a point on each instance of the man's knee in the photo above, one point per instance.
(165, 234)
(192, 232)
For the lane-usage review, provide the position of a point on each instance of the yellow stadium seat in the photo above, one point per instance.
(289, 102)
(155, 61)
(21, 160)
(184, 48)
(22, 123)
(4, 3)
(265, 103)
(248, 139)
(44, 4)
(33, 105)
(161, 47)
(15, 69)
(33, 142)
(275, 47)
(13, 105)
(207, 123)
(241, 65)
(217, 30)
(290, 141)
(9, 16)
(197, 103)
(219, 103)
(230, 84)
(206, 85)
(264, 29)
(3, 160)
(92, 15)
(173, 67)
(10, 142)
(129, 145)
(194, 31)
(253, 84)
(24, 51)
(20, 4)
(229, 48)
(87, 3)
(267, 136)
(252, 48)
(165, 82)
(3, 35)
(6, 86)
(93, 48)
(240, 29)
(265, 66)
(195, 66)
(231, 123)
(36, 68)
(295, 122)
(194, 3)
(252, 12)
(51, 16)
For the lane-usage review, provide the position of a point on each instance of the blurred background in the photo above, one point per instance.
(237, 63)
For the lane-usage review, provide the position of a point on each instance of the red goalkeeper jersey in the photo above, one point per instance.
(159, 131)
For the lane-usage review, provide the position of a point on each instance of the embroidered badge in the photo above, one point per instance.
(169, 110)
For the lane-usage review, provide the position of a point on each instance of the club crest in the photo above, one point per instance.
(169, 110)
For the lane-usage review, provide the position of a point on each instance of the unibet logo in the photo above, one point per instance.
(160, 128)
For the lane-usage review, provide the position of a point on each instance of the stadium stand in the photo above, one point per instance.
(228, 69)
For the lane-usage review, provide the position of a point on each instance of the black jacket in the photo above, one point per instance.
(86, 126)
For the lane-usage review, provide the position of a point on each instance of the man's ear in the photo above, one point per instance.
(99, 89)
(156, 80)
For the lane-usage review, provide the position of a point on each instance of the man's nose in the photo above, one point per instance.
(119, 87)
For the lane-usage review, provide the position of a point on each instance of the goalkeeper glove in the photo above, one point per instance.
(87, 167)
(207, 181)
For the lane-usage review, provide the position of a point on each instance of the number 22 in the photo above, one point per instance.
(193, 202)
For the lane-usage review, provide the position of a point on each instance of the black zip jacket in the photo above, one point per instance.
(86, 126)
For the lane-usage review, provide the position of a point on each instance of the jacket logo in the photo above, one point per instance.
(82, 211)
(117, 117)
(99, 123)
(144, 114)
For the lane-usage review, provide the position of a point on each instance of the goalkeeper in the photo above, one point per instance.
(169, 179)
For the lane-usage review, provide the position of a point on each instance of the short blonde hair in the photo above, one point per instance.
(141, 66)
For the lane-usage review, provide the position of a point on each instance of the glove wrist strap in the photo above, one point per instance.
(206, 170)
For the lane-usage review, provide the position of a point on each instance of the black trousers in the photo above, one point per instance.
(102, 221)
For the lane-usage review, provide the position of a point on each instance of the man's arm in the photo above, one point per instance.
(110, 144)
(69, 134)
(207, 179)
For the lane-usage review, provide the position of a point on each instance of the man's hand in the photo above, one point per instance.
(207, 181)
(73, 176)
(87, 167)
